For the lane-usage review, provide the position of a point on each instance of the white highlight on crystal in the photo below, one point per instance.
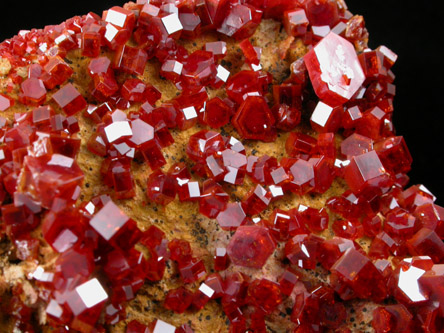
(408, 283)
(206, 290)
(61, 160)
(116, 18)
(90, 208)
(321, 114)
(189, 113)
(111, 32)
(172, 23)
(193, 188)
(117, 129)
(177, 67)
(222, 73)
(256, 67)
(163, 327)
(91, 293)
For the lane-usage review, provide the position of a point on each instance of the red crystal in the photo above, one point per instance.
(130, 59)
(203, 144)
(180, 251)
(192, 271)
(394, 154)
(91, 40)
(213, 199)
(391, 318)
(244, 82)
(69, 99)
(405, 280)
(322, 12)
(115, 226)
(33, 91)
(198, 70)
(120, 17)
(122, 180)
(351, 117)
(400, 223)
(134, 90)
(389, 56)
(372, 123)
(265, 295)
(161, 188)
(372, 225)
(185, 328)
(232, 217)
(323, 173)
(427, 242)
(178, 300)
(56, 72)
(18, 220)
(249, 52)
(142, 133)
(316, 219)
(191, 23)
(302, 250)
(382, 246)
(116, 37)
(86, 302)
(171, 70)
(326, 118)
(354, 275)
(221, 259)
(216, 283)
(104, 86)
(332, 249)
(256, 200)
(372, 63)
(287, 282)
(366, 175)
(431, 216)
(295, 22)
(287, 117)
(334, 69)
(302, 177)
(62, 229)
(241, 21)
(101, 65)
(217, 113)
(348, 229)
(51, 177)
(254, 120)
(5, 102)
(355, 145)
(251, 246)
(416, 195)
(299, 143)
(280, 223)
(262, 169)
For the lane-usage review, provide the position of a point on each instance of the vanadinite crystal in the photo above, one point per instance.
(184, 155)
(254, 120)
(251, 246)
(334, 70)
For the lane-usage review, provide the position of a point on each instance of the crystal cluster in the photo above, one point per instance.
(102, 257)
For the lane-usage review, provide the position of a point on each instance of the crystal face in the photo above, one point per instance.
(69, 99)
(91, 293)
(113, 225)
(251, 246)
(334, 70)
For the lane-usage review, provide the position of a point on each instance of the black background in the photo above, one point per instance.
(412, 29)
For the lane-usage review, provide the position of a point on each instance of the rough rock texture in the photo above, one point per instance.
(180, 219)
